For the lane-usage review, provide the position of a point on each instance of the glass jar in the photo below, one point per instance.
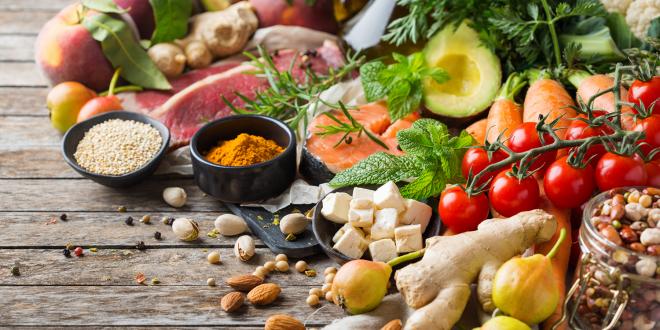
(609, 292)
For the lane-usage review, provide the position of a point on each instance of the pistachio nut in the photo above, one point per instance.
(294, 223)
(185, 229)
(230, 225)
(244, 248)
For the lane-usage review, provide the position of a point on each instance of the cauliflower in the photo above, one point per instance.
(616, 6)
(640, 14)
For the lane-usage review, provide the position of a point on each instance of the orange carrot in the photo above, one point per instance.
(588, 86)
(505, 114)
(549, 97)
(561, 259)
(478, 131)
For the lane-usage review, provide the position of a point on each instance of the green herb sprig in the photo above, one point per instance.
(352, 126)
(401, 82)
(432, 159)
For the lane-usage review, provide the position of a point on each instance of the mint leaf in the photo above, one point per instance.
(171, 17)
(429, 183)
(373, 89)
(378, 168)
(438, 75)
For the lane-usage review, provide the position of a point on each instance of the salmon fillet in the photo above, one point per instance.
(374, 117)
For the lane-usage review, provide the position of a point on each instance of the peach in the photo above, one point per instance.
(320, 16)
(66, 51)
(142, 15)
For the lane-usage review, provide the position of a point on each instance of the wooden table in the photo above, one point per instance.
(99, 289)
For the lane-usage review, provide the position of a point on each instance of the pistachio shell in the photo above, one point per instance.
(185, 229)
(230, 225)
(294, 223)
(244, 248)
(175, 196)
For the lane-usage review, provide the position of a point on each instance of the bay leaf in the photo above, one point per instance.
(124, 51)
(104, 6)
(171, 18)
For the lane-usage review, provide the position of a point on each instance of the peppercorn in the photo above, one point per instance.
(78, 252)
(140, 246)
(157, 235)
(15, 271)
(63, 217)
(129, 221)
(168, 221)
(66, 253)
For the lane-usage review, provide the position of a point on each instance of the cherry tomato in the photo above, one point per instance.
(510, 196)
(566, 186)
(461, 213)
(613, 171)
(646, 92)
(650, 126)
(581, 130)
(476, 159)
(525, 137)
(653, 173)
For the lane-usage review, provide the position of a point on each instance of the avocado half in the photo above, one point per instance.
(474, 70)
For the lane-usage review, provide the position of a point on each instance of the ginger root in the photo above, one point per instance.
(212, 35)
(438, 286)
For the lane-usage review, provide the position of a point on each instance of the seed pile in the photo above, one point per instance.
(117, 147)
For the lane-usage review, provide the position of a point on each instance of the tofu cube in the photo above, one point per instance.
(351, 243)
(341, 232)
(335, 207)
(363, 193)
(384, 224)
(388, 196)
(383, 250)
(408, 238)
(416, 213)
(361, 213)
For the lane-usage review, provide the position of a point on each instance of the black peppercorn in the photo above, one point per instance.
(157, 235)
(15, 271)
(67, 253)
(169, 221)
(129, 221)
(63, 217)
(140, 246)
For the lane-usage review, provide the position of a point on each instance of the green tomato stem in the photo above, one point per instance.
(555, 248)
(406, 257)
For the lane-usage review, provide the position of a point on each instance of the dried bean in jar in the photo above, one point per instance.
(628, 235)
(611, 234)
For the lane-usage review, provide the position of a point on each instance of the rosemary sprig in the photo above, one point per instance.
(353, 126)
(287, 98)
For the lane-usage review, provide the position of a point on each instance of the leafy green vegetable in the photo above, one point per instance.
(103, 6)
(124, 51)
(401, 82)
(432, 159)
(171, 18)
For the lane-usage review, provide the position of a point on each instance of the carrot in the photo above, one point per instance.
(478, 131)
(547, 97)
(561, 259)
(589, 85)
(505, 114)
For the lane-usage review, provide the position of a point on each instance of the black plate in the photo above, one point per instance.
(77, 132)
(324, 229)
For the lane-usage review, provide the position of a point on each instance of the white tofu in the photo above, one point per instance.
(335, 207)
(388, 196)
(416, 213)
(361, 213)
(363, 193)
(408, 238)
(341, 232)
(385, 222)
(383, 250)
(351, 243)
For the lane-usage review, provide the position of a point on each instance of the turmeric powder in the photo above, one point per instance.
(244, 150)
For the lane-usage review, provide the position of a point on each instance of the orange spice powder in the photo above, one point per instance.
(244, 150)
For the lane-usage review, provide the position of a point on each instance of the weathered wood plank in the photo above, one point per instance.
(28, 131)
(17, 47)
(20, 74)
(173, 267)
(70, 195)
(102, 229)
(25, 22)
(34, 162)
(26, 101)
(50, 5)
(147, 305)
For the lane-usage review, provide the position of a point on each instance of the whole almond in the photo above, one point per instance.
(232, 301)
(264, 294)
(244, 283)
(283, 322)
(393, 325)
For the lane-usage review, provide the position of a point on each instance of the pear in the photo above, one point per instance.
(504, 323)
(526, 288)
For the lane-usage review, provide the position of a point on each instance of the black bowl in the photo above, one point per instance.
(77, 132)
(324, 229)
(239, 184)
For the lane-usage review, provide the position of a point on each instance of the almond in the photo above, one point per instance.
(393, 325)
(244, 283)
(232, 301)
(283, 322)
(264, 294)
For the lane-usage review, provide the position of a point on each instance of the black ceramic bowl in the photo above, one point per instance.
(324, 229)
(239, 184)
(77, 132)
